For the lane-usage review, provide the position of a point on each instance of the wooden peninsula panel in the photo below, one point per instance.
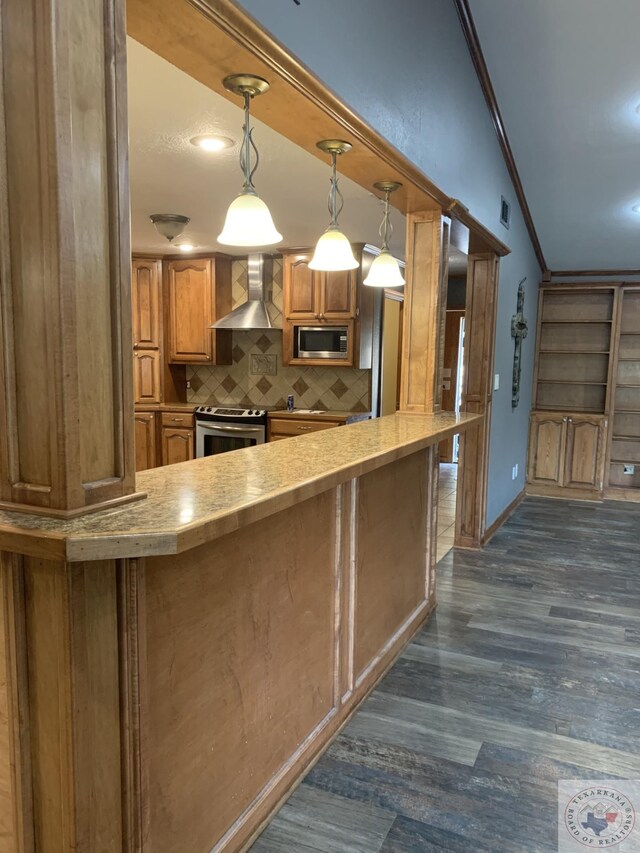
(386, 595)
(239, 669)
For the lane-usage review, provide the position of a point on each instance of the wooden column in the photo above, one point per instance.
(66, 399)
(477, 392)
(424, 312)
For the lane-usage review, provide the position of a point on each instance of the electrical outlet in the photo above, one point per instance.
(629, 469)
(496, 382)
(188, 384)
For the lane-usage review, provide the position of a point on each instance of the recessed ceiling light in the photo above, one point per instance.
(636, 208)
(211, 142)
(186, 247)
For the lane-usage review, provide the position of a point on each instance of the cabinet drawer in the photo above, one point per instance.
(295, 426)
(177, 419)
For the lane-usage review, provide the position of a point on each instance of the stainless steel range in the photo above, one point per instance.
(219, 430)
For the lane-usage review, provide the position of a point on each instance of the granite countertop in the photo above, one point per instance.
(318, 415)
(195, 502)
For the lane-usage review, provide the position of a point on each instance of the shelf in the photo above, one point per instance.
(573, 382)
(626, 437)
(579, 352)
(576, 409)
(626, 385)
(626, 411)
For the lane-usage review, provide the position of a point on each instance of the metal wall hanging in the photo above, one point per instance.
(519, 330)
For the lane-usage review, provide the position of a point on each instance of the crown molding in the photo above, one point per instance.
(473, 42)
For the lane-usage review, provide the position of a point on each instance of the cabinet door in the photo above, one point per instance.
(546, 449)
(583, 456)
(146, 376)
(145, 298)
(177, 445)
(190, 295)
(145, 440)
(338, 295)
(300, 285)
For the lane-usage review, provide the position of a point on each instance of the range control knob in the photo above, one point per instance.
(208, 409)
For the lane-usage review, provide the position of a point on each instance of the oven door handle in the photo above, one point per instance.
(228, 428)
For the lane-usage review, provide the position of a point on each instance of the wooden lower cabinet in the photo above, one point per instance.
(164, 438)
(177, 445)
(566, 452)
(288, 427)
(145, 440)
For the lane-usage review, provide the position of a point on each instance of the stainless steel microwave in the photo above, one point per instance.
(321, 342)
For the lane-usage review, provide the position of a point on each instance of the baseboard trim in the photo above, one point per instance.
(504, 515)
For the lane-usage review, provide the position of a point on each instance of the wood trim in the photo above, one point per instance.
(592, 273)
(586, 285)
(471, 35)
(504, 515)
(480, 238)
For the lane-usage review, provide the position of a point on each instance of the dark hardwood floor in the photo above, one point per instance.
(529, 672)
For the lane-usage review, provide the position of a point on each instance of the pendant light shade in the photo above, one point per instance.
(333, 250)
(385, 269)
(248, 221)
(248, 218)
(384, 272)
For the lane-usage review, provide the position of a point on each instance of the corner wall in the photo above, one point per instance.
(405, 68)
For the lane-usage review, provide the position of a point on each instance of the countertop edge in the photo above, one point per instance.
(109, 546)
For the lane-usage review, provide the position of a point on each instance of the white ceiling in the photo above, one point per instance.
(567, 79)
(169, 175)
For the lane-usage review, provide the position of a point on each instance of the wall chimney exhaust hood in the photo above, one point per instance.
(258, 312)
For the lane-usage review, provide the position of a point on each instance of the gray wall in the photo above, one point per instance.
(405, 68)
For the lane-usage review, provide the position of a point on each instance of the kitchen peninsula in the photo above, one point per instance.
(180, 661)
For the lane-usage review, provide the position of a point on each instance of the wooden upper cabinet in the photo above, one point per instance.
(584, 456)
(198, 293)
(146, 301)
(546, 449)
(146, 376)
(300, 288)
(338, 292)
(318, 296)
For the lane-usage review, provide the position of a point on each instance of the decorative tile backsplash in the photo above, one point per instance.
(257, 353)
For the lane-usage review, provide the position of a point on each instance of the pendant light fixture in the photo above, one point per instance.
(385, 270)
(248, 221)
(333, 250)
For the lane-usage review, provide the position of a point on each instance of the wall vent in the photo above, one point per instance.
(505, 212)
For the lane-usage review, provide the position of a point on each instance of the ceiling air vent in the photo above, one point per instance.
(505, 212)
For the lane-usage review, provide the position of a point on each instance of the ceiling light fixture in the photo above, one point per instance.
(170, 225)
(333, 250)
(636, 208)
(385, 270)
(248, 221)
(211, 142)
(186, 247)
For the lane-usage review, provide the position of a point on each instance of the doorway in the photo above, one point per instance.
(452, 386)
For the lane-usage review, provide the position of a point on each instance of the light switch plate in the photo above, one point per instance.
(496, 382)
(629, 469)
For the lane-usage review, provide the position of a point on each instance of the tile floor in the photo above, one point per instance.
(446, 507)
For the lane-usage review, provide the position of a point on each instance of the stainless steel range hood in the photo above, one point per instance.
(258, 312)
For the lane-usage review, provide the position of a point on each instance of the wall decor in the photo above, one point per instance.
(519, 331)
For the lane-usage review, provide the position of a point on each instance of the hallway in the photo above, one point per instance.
(528, 673)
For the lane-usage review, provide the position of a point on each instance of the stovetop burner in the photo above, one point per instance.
(220, 413)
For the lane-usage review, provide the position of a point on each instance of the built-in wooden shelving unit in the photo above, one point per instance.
(574, 346)
(624, 445)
